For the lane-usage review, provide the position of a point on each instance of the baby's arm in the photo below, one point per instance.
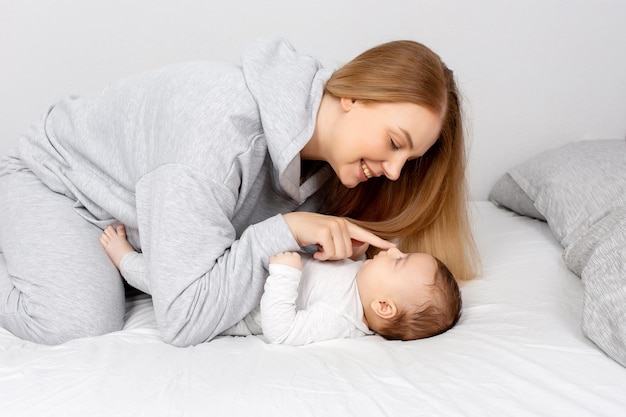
(281, 321)
(278, 302)
(131, 264)
(291, 259)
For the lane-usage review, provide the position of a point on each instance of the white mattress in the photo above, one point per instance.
(517, 351)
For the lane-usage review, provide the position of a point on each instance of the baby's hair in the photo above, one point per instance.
(439, 314)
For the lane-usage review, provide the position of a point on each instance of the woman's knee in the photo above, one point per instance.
(62, 284)
(51, 317)
(88, 313)
(55, 327)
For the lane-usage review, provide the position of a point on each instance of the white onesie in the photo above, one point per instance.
(321, 302)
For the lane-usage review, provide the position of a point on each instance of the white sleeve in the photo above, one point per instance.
(133, 269)
(283, 323)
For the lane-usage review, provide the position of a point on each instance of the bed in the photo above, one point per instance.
(520, 349)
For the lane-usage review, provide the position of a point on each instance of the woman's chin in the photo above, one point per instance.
(350, 184)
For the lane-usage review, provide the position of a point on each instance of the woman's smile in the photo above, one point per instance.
(366, 170)
(362, 140)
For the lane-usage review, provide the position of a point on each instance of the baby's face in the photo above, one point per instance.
(398, 275)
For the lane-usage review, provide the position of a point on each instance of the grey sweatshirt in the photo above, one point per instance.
(198, 160)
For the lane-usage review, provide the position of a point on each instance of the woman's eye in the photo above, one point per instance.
(393, 145)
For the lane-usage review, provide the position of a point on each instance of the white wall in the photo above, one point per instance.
(535, 73)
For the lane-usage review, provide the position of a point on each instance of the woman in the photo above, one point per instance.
(213, 168)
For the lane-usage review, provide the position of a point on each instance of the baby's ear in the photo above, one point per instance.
(384, 309)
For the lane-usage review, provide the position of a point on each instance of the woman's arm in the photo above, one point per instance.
(203, 279)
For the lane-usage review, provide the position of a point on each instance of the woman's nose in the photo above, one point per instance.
(392, 168)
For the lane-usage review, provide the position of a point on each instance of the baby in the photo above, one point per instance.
(396, 295)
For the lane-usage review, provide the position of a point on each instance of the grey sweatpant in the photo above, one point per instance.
(56, 282)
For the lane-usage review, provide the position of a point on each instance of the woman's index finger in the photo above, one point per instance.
(359, 234)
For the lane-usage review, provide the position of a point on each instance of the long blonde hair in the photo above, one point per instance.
(426, 208)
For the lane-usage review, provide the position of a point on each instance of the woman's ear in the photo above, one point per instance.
(385, 309)
(347, 103)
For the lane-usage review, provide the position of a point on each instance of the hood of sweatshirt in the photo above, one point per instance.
(288, 87)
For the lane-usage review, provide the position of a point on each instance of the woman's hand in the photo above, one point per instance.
(336, 237)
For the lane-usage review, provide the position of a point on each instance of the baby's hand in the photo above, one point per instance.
(291, 259)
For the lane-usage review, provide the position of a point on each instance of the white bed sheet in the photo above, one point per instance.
(517, 351)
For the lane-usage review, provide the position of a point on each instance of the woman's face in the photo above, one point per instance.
(372, 139)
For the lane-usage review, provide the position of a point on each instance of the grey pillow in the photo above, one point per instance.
(580, 189)
(576, 185)
(507, 193)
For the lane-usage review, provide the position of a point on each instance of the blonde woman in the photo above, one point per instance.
(425, 208)
(233, 164)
